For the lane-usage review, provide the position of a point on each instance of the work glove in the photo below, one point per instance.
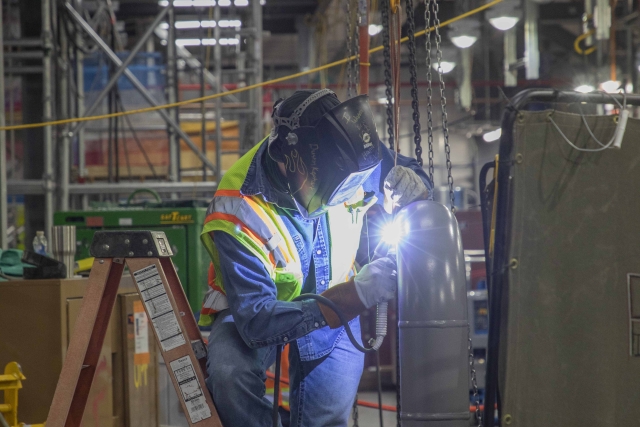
(401, 187)
(375, 283)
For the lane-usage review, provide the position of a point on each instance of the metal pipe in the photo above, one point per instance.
(466, 94)
(47, 114)
(174, 142)
(35, 186)
(121, 68)
(65, 137)
(80, 112)
(217, 55)
(363, 40)
(136, 83)
(4, 212)
(256, 57)
(510, 58)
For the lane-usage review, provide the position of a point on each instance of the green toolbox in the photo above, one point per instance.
(181, 221)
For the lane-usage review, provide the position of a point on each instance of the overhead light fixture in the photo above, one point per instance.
(464, 33)
(492, 136)
(185, 25)
(206, 42)
(610, 86)
(505, 15)
(463, 42)
(504, 23)
(203, 3)
(374, 29)
(585, 88)
(445, 66)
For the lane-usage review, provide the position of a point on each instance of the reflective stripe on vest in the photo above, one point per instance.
(258, 227)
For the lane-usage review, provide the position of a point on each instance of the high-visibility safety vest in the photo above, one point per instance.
(257, 225)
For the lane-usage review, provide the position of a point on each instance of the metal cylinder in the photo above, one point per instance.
(432, 318)
(63, 246)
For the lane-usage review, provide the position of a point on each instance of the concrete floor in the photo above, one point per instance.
(369, 417)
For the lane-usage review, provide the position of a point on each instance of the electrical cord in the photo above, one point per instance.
(343, 320)
(620, 128)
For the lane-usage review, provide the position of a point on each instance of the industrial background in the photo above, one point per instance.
(125, 114)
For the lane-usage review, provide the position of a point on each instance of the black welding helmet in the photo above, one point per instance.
(327, 163)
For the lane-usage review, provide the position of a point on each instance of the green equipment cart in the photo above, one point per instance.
(181, 221)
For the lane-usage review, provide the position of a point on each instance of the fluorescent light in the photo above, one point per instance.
(208, 24)
(263, 2)
(504, 23)
(374, 29)
(585, 88)
(188, 42)
(494, 135)
(164, 26)
(610, 86)
(463, 42)
(202, 3)
(180, 25)
(224, 42)
(206, 42)
(226, 23)
(446, 66)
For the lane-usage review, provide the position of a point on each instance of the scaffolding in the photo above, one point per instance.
(60, 57)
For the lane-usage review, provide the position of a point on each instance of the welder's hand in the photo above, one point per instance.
(377, 281)
(401, 187)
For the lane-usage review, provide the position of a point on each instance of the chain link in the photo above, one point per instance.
(474, 380)
(355, 412)
(443, 103)
(387, 70)
(411, 28)
(356, 51)
(427, 19)
(349, 46)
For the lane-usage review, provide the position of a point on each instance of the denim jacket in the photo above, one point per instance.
(261, 319)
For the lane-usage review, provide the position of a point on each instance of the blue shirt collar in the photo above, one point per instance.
(257, 182)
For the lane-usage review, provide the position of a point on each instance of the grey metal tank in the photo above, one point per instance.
(432, 317)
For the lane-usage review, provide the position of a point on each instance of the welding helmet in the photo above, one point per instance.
(326, 163)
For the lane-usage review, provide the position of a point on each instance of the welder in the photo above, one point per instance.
(286, 219)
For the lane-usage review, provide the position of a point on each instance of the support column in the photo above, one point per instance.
(510, 58)
(47, 115)
(174, 140)
(3, 154)
(531, 51)
(217, 58)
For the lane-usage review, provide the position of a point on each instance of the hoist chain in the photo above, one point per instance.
(443, 103)
(355, 412)
(427, 19)
(411, 28)
(474, 380)
(349, 45)
(387, 69)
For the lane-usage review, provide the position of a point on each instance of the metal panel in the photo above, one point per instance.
(572, 239)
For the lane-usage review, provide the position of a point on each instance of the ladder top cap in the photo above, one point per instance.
(130, 244)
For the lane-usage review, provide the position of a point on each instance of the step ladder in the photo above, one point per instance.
(147, 254)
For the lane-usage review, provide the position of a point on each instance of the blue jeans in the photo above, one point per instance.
(321, 391)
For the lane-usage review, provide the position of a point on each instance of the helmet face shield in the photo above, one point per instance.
(327, 163)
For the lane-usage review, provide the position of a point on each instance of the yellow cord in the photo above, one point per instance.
(242, 89)
(576, 43)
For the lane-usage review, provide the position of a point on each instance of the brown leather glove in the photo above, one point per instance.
(345, 296)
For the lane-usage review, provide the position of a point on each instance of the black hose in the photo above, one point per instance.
(340, 315)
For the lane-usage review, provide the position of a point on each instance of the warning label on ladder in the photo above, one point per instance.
(159, 307)
(192, 394)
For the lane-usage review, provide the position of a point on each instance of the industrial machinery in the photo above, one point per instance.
(180, 221)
